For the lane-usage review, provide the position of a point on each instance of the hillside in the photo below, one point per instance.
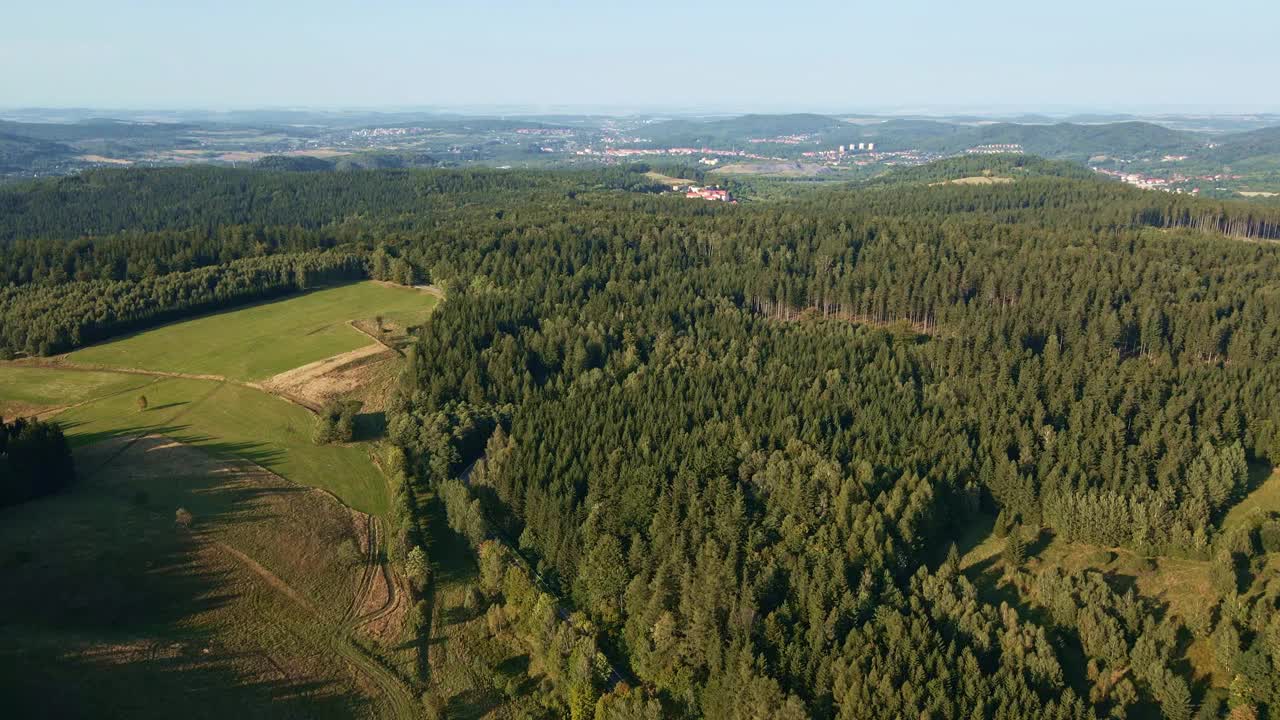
(1079, 142)
(738, 130)
(1264, 143)
(19, 153)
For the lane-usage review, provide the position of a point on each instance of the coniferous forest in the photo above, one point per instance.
(748, 445)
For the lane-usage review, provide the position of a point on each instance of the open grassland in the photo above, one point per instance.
(1265, 498)
(257, 342)
(232, 421)
(31, 390)
(119, 610)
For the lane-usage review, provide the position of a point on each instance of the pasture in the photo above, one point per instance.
(233, 421)
(256, 342)
(31, 390)
(117, 609)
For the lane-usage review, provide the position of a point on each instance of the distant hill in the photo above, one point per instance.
(19, 153)
(1243, 146)
(735, 131)
(906, 133)
(969, 167)
(96, 129)
(1077, 142)
(1073, 141)
(292, 163)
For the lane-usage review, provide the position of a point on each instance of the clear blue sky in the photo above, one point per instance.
(726, 54)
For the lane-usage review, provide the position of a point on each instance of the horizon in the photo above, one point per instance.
(815, 56)
(497, 110)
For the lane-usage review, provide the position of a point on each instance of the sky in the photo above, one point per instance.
(739, 55)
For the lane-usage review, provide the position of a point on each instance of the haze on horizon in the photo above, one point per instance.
(807, 55)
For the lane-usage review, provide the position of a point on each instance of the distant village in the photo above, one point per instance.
(605, 147)
(705, 193)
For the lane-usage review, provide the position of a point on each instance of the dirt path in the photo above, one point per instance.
(370, 562)
(267, 576)
(391, 691)
(390, 688)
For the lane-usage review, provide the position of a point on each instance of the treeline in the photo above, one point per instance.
(108, 201)
(139, 255)
(35, 460)
(1006, 165)
(49, 319)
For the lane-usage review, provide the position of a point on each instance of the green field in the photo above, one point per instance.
(117, 610)
(262, 340)
(27, 389)
(234, 421)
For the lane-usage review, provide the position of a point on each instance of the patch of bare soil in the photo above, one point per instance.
(387, 623)
(15, 409)
(105, 160)
(337, 376)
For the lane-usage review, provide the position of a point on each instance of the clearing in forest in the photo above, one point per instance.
(1183, 587)
(478, 667)
(26, 391)
(125, 607)
(1265, 497)
(256, 342)
(232, 421)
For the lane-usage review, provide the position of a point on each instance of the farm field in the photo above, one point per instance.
(232, 421)
(31, 390)
(256, 342)
(121, 610)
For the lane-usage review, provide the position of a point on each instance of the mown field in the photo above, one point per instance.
(30, 390)
(262, 340)
(119, 609)
(233, 421)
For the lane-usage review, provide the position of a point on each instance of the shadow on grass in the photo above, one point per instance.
(166, 406)
(106, 600)
(472, 704)
(370, 426)
(995, 588)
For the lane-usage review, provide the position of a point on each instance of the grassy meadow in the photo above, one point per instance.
(256, 342)
(230, 420)
(29, 390)
(119, 610)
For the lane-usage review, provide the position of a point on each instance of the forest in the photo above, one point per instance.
(743, 445)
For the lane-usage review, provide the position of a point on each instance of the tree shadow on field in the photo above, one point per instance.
(111, 606)
(370, 426)
(471, 704)
(166, 406)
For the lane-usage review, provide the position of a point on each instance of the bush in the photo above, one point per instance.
(348, 553)
(1269, 536)
(336, 422)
